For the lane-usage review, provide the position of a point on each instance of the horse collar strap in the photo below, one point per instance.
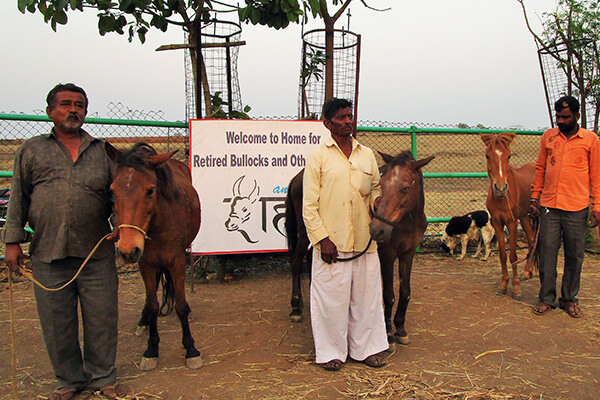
(137, 228)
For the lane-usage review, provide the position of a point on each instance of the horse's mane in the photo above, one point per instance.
(402, 158)
(137, 158)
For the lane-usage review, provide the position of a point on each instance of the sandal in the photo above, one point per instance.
(333, 365)
(541, 308)
(573, 310)
(64, 393)
(113, 390)
(375, 361)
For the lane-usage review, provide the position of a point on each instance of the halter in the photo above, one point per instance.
(386, 221)
(137, 228)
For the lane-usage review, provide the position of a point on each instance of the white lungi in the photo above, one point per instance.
(346, 308)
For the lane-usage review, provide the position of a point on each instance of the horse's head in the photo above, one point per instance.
(402, 190)
(497, 153)
(241, 205)
(135, 187)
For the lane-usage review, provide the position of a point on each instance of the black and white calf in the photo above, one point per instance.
(467, 227)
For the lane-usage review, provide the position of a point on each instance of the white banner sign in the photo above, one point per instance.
(241, 170)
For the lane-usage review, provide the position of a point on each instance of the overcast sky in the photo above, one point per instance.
(426, 62)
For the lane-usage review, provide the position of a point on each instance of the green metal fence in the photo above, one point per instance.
(456, 180)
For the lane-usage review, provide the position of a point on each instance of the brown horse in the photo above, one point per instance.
(398, 225)
(158, 213)
(508, 201)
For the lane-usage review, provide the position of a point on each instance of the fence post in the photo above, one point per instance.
(413, 140)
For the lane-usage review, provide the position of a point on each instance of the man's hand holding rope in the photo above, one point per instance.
(14, 257)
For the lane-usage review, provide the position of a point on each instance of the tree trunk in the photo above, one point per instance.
(329, 63)
(201, 86)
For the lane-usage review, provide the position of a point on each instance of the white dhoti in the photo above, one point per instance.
(346, 308)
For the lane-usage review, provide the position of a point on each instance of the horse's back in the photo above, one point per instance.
(186, 209)
(527, 171)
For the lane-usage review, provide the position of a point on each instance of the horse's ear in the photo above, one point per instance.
(487, 137)
(386, 157)
(160, 159)
(112, 151)
(417, 165)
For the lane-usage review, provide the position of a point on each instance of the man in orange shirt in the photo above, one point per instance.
(567, 172)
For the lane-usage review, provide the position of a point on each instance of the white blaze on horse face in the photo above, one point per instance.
(499, 154)
(130, 177)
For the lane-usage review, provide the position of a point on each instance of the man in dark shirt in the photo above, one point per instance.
(60, 187)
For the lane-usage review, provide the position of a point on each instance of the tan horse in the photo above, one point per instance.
(158, 217)
(508, 202)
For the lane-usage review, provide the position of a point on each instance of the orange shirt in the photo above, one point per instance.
(568, 171)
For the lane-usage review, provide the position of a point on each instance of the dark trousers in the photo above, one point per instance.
(95, 290)
(572, 225)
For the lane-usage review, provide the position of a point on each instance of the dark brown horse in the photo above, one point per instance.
(508, 202)
(403, 204)
(158, 217)
(398, 226)
(298, 242)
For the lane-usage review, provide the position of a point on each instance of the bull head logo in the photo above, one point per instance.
(240, 211)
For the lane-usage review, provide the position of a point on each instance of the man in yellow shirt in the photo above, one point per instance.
(341, 183)
(567, 172)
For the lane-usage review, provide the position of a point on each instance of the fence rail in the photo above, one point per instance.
(456, 180)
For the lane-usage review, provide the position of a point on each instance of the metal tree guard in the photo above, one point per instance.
(559, 81)
(219, 42)
(346, 56)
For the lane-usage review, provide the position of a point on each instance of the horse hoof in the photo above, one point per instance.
(392, 347)
(296, 318)
(402, 339)
(193, 362)
(139, 330)
(524, 278)
(517, 297)
(501, 292)
(148, 364)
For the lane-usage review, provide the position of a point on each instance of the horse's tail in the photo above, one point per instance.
(168, 295)
(291, 226)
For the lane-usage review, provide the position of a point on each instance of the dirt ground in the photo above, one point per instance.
(467, 342)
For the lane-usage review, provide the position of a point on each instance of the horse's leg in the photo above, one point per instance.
(143, 323)
(150, 357)
(528, 228)
(512, 234)
(499, 228)
(297, 263)
(182, 308)
(404, 268)
(386, 261)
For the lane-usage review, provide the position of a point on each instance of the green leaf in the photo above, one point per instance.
(60, 17)
(254, 16)
(23, 5)
(158, 22)
(125, 5)
(61, 4)
(142, 34)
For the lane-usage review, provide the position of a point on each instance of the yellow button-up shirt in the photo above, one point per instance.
(567, 171)
(338, 193)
